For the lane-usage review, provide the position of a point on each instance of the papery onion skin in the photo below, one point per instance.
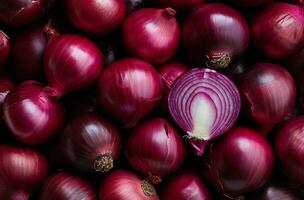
(65, 186)
(151, 34)
(180, 5)
(91, 143)
(155, 148)
(21, 12)
(33, 113)
(22, 171)
(285, 30)
(95, 17)
(268, 94)
(289, 148)
(184, 186)
(4, 48)
(72, 63)
(207, 35)
(128, 90)
(251, 3)
(124, 185)
(238, 163)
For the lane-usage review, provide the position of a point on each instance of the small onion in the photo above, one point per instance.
(205, 104)
(22, 170)
(95, 17)
(151, 34)
(128, 90)
(182, 5)
(33, 113)
(185, 186)
(289, 148)
(251, 3)
(64, 186)
(155, 148)
(91, 143)
(124, 185)
(238, 163)
(72, 63)
(208, 37)
(285, 30)
(4, 48)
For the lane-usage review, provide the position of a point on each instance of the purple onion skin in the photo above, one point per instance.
(180, 5)
(238, 163)
(285, 30)
(64, 186)
(268, 94)
(289, 148)
(72, 63)
(32, 113)
(207, 35)
(151, 34)
(251, 3)
(19, 13)
(4, 48)
(27, 50)
(185, 186)
(128, 90)
(274, 192)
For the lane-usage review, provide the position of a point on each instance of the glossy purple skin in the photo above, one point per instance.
(207, 34)
(72, 63)
(155, 147)
(268, 94)
(274, 192)
(238, 163)
(22, 170)
(285, 30)
(151, 34)
(289, 148)
(64, 186)
(180, 5)
(123, 185)
(186, 186)
(95, 17)
(27, 50)
(251, 3)
(128, 90)
(88, 137)
(21, 12)
(4, 48)
(33, 113)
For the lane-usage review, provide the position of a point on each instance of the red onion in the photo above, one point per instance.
(72, 63)
(151, 34)
(269, 94)
(124, 185)
(208, 36)
(91, 143)
(32, 113)
(285, 30)
(95, 17)
(4, 48)
(289, 148)
(186, 186)
(155, 148)
(205, 104)
(64, 186)
(274, 192)
(21, 12)
(238, 163)
(21, 171)
(128, 90)
(182, 5)
(251, 3)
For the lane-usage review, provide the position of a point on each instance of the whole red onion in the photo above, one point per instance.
(22, 170)
(289, 148)
(91, 143)
(95, 17)
(33, 113)
(251, 3)
(21, 12)
(268, 93)
(124, 185)
(4, 48)
(185, 186)
(72, 63)
(151, 34)
(238, 163)
(285, 30)
(182, 5)
(155, 148)
(208, 37)
(64, 186)
(128, 90)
